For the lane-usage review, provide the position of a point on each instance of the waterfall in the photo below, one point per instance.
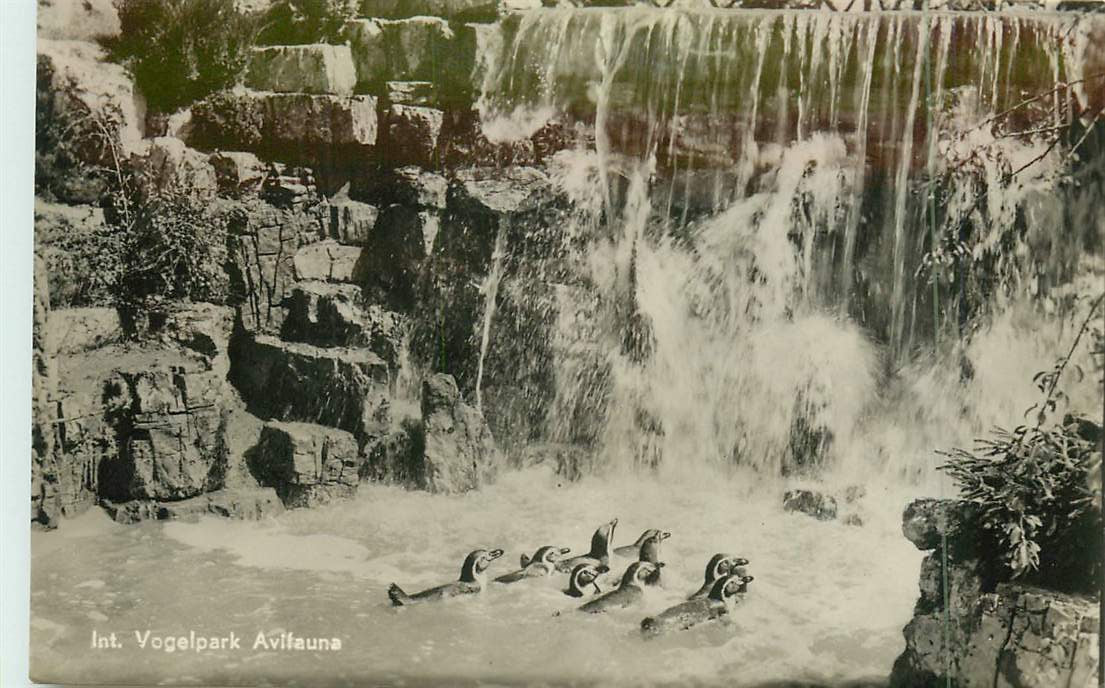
(490, 289)
(761, 208)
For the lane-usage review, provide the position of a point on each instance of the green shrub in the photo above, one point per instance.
(295, 22)
(1039, 491)
(182, 50)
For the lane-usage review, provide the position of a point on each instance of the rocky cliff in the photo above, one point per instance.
(969, 630)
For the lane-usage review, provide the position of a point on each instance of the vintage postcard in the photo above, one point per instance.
(565, 342)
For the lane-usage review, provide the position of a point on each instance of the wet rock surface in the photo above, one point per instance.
(967, 632)
(460, 453)
(316, 68)
(307, 464)
(248, 504)
(823, 507)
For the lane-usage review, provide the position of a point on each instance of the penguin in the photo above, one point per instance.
(599, 553)
(472, 579)
(543, 563)
(650, 548)
(630, 590)
(720, 566)
(635, 549)
(724, 595)
(583, 576)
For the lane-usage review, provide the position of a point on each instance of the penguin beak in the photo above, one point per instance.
(613, 522)
(565, 550)
(665, 535)
(495, 554)
(602, 568)
(740, 561)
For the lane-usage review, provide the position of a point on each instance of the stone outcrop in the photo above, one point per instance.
(342, 388)
(78, 82)
(459, 452)
(412, 134)
(260, 121)
(316, 68)
(73, 330)
(166, 163)
(247, 504)
(307, 464)
(238, 173)
(45, 506)
(168, 425)
(60, 232)
(821, 506)
(351, 222)
(449, 449)
(973, 633)
(337, 315)
(328, 261)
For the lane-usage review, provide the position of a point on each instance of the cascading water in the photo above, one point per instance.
(763, 204)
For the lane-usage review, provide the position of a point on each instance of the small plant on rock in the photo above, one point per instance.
(295, 22)
(1039, 489)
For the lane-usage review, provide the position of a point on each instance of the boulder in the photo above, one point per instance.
(237, 173)
(351, 222)
(459, 451)
(316, 68)
(166, 163)
(926, 522)
(398, 456)
(77, 20)
(478, 191)
(409, 185)
(412, 135)
(75, 80)
(73, 330)
(392, 264)
(326, 314)
(203, 328)
(168, 422)
(343, 388)
(307, 464)
(287, 185)
(261, 121)
(327, 261)
(413, 49)
(247, 504)
(820, 506)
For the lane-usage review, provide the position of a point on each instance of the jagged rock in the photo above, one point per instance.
(168, 424)
(315, 68)
(287, 186)
(464, 144)
(338, 387)
(397, 457)
(326, 260)
(78, 81)
(238, 173)
(204, 328)
(419, 93)
(61, 232)
(926, 521)
(326, 314)
(820, 506)
(78, 329)
(307, 464)
(168, 163)
(77, 20)
(460, 453)
(479, 191)
(412, 49)
(409, 185)
(412, 135)
(370, 56)
(259, 121)
(351, 222)
(249, 504)
(393, 261)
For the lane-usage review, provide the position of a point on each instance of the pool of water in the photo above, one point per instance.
(827, 605)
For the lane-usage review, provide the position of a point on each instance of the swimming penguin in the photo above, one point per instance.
(650, 548)
(724, 595)
(599, 553)
(471, 580)
(584, 576)
(720, 565)
(543, 563)
(630, 590)
(635, 549)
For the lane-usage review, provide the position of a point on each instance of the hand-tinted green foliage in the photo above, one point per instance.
(181, 50)
(1039, 489)
(294, 22)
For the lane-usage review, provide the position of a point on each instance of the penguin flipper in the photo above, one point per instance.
(513, 577)
(397, 596)
(627, 551)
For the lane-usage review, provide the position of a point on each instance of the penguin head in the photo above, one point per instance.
(645, 536)
(650, 548)
(549, 554)
(722, 565)
(584, 575)
(477, 562)
(641, 573)
(727, 588)
(600, 541)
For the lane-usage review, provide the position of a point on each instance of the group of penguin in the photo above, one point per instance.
(725, 585)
